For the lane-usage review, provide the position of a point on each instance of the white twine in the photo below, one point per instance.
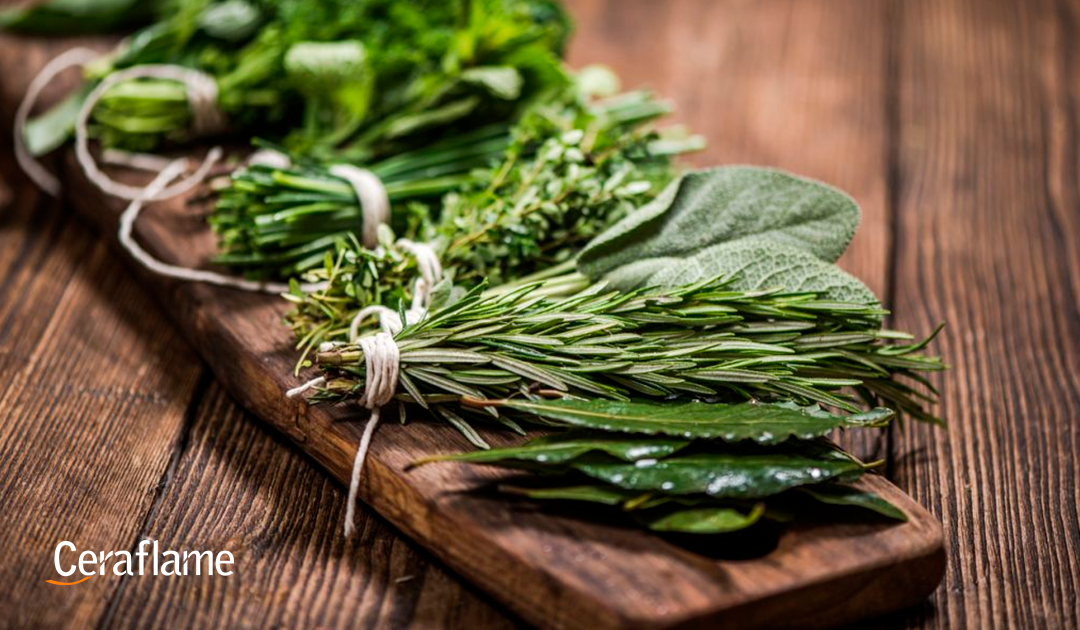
(202, 95)
(128, 242)
(33, 169)
(140, 161)
(206, 119)
(296, 391)
(427, 262)
(382, 359)
(270, 158)
(370, 192)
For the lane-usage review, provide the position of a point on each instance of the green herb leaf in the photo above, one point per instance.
(759, 263)
(52, 129)
(602, 494)
(565, 447)
(765, 423)
(700, 520)
(721, 206)
(836, 494)
(733, 473)
(503, 82)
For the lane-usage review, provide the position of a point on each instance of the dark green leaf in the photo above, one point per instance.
(836, 494)
(738, 473)
(705, 519)
(564, 447)
(765, 423)
(602, 494)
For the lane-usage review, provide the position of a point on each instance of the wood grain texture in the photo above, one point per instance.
(93, 389)
(597, 575)
(989, 228)
(241, 488)
(793, 85)
(295, 570)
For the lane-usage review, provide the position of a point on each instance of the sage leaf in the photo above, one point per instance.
(753, 264)
(764, 423)
(707, 208)
(836, 494)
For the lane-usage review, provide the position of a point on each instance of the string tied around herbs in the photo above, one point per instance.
(381, 359)
(207, 119)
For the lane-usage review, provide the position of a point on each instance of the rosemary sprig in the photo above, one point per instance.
(700, 341)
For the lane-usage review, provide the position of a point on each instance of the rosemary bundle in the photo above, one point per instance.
(697, 402)
(703, 341)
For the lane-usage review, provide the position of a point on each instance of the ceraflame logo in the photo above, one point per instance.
(147, 560)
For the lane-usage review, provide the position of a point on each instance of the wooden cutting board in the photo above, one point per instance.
(554, 569)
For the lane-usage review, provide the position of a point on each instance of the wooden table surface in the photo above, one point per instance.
(954, 123)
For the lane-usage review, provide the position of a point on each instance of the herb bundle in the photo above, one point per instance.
(572, 170)
(713, 347)
(357, 81)
(471, 358)
(656, 379)
(280, 222)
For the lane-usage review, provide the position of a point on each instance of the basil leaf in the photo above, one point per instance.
(765, 423)
(735, 474)
(835, 494)
(722, 205)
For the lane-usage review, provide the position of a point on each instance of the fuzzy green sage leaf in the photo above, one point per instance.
(717, 207)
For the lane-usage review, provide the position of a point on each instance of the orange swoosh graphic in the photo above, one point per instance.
(69, 583)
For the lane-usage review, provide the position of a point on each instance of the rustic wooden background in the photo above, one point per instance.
(953, 122)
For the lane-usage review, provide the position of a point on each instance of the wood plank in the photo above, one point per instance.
(240, 488)
(989, 229)
(794, 85)
(95, 387)
(41, 246)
